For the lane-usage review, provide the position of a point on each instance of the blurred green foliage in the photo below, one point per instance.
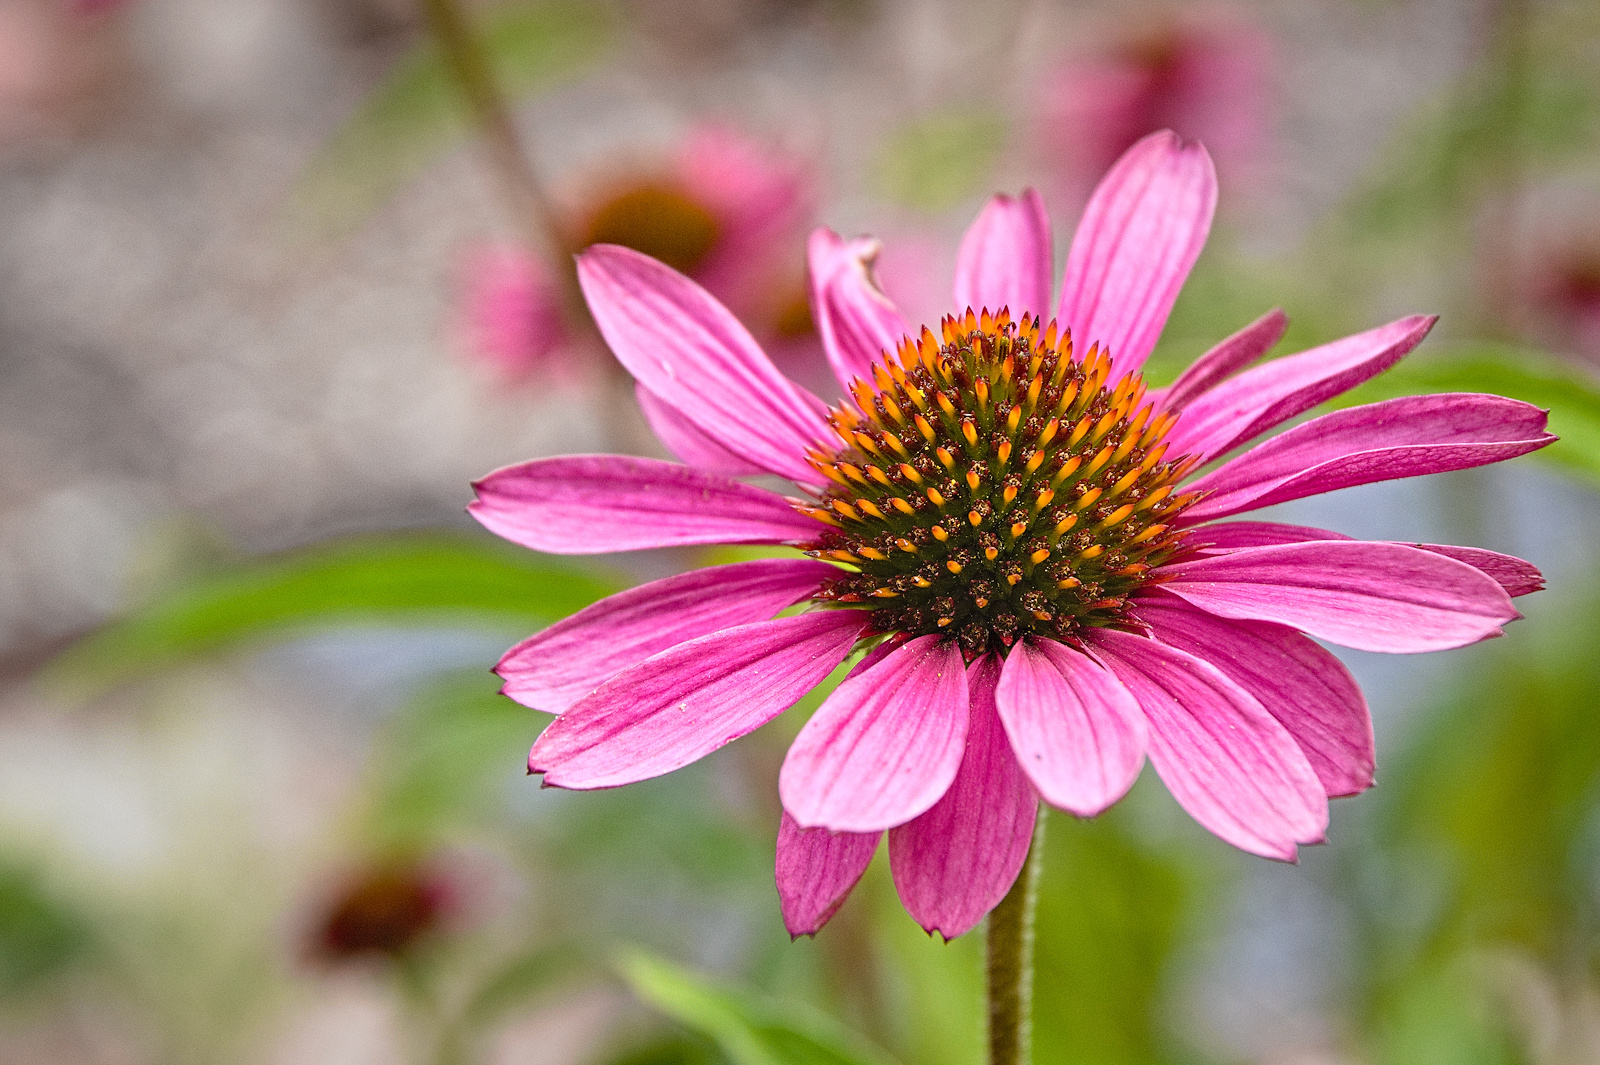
(41, 934)
(1113, 913)
(748, 1029)
(942, 159)
(416, 111)
(445, 763)
(404, 578)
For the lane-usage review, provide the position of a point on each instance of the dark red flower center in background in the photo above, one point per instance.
(384, 912)
(659, 219)
(991, 487)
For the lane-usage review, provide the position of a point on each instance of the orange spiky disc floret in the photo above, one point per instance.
(989, 486)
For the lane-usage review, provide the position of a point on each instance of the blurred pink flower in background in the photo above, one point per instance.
(57, 58)
(1205, 76)
(725, 209)
(1561, 298)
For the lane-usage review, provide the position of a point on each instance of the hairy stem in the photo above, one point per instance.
(1010, 962)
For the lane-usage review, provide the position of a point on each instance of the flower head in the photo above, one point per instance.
(1007, 521)
(723, 210)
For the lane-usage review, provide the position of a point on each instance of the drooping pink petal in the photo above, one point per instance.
(1140, 235)
(1307, 689)
(816, 870)
(1223, 360)
(591, 504)
(954, 863)
(688, 441)
(689, 700)
(1513, 574)
(687, 349)
(1243, 408)
(1224, 758)
(1370, 596)
(1077, 732)
(1006, 258)
(856, 321)
(553, 669)
(884, 746)
(1405, 437)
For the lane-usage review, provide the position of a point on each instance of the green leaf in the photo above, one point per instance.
(749, 1031)
(1570, 395)
(408, 578)
(939, 160)
(416, 111)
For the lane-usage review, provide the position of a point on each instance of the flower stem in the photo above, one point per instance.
(468, 66)
(1010, 962)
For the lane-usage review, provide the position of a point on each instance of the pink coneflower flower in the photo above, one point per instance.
(724, 210)
(1009, 522)
(1206, 77)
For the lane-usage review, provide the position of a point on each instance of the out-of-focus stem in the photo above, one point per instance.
(1508, 53)
(469, 68)
(1010, 962)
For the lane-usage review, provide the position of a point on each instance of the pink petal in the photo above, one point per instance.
(956, 862)
(1307, 689)
(856, 321)
(816, 870)
(1141, 233)
(1229, 356)
(555, 668)
(1370, 596)
(1511, 573)
(1247, 406)
(688, 441)
(1005, 258)
(1514, 575)
(1405, 437)
(1076, 730)
(1224, 758)
(1234, 535)
(884, 746)
(686, 348)
(686, 702)
(591, 504)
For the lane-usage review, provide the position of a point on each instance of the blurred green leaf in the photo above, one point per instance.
(749, 1031)
(1571, 395)
(416, 111)
(40, 936)
(411, 578)
(939, 160)
(684, 1049)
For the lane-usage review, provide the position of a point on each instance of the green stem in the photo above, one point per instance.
(1010, 962)
(469, 67)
